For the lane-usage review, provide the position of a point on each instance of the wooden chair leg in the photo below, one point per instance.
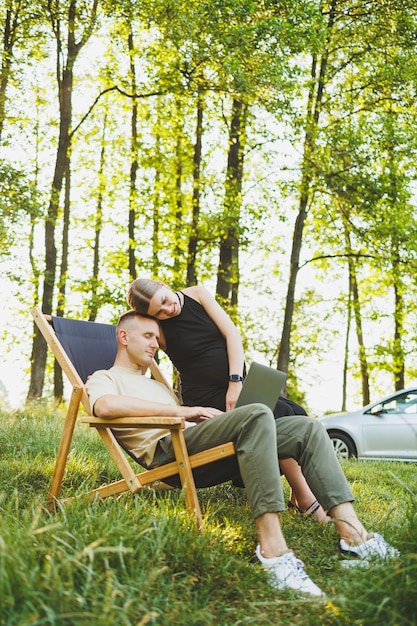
(64, 446)
(126, 470)
(186, 476)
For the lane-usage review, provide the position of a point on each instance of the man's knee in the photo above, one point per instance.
(302, 428)
(259, 416)
(318, 429)
(316, 438)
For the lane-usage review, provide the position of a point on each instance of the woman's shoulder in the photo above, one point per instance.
(197, 292)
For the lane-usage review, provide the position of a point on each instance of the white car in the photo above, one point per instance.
(382, 430)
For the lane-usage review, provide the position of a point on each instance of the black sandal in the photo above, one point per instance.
(309, 511)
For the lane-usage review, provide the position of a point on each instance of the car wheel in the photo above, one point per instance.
(342, 444)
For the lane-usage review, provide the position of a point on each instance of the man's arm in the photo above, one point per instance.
(111, 405)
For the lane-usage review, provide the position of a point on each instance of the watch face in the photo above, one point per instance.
(235, 378)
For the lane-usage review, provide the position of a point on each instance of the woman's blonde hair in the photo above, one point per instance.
(140, 293)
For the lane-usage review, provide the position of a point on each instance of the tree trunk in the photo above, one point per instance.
(156, 211)
(11, 24)
(228, 268)
(62, 283)
(398, 350)
(346, 351)
(133, 165)
(355, 302)
(65, 86)
(314, 104)
(193, 240)
(178, 229)
(39, 350)
(94, 301)
(359, 335)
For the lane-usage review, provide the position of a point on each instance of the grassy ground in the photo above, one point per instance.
(138, 560)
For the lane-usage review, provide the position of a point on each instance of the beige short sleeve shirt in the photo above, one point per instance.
(128, 382)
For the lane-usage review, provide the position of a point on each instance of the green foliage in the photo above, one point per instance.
(139, 559)
(267, 54)
(18, 205)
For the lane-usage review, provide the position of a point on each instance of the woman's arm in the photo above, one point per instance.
(231, 334)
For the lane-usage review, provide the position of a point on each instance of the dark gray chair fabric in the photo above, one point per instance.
(90, 346)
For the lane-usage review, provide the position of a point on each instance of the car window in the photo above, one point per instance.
(405, 403)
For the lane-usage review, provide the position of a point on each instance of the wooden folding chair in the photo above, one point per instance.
(81, 348)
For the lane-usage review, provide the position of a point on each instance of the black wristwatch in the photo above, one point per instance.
(235, 378)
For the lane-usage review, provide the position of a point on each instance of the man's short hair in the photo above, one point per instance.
(131, 314)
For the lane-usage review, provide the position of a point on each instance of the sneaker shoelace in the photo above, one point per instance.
(301, 579)
(376, 546)
(383, 548)
(299, 566)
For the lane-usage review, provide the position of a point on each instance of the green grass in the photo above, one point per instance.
(138, 560)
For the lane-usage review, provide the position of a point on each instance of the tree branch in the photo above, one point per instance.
(123, 93)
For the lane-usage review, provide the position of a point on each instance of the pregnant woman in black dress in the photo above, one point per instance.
(206, 349)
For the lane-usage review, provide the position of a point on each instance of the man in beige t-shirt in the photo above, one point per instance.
(259, 440)
(124, 381)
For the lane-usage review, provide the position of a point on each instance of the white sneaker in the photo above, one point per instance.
(287, 572)
(376, 548)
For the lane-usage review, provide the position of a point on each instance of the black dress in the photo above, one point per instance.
(198, 350)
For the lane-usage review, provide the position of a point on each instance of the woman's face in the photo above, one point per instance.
(164, 304)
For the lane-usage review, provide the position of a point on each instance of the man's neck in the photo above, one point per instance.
(127, 363)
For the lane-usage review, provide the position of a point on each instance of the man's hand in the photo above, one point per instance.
(199, 413)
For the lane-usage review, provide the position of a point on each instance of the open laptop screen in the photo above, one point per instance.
(262, 384)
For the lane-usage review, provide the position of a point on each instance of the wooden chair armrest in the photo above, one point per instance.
(172, 423)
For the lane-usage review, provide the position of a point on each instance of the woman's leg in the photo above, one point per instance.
(301, 495)
(306, 440)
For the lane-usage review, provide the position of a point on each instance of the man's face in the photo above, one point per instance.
(140, 336)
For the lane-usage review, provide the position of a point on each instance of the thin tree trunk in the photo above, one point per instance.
(228, 268)
(346, 351)
(398, 350)
(62, 283)
(94, 305)
(359, 335)
(11, 24)
(354, 290)
(39, 350)
(194, 238)
(314, 104)
(178, 252)
(133, 165)
(156, 211)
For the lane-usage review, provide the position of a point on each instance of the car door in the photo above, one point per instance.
(390, 428)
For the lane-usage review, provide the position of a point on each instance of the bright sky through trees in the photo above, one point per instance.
(258, 132)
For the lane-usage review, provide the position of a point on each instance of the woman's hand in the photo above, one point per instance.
(232, 395)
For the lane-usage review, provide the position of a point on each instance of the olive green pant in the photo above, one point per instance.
(260, 441)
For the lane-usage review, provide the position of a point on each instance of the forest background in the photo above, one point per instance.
(264, 148)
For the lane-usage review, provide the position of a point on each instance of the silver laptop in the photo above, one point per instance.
(262, 384)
